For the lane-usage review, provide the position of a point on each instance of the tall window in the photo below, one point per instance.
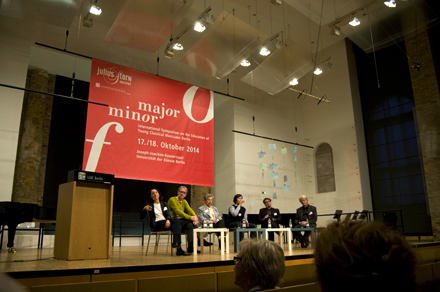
(394, 161)
(325, 172)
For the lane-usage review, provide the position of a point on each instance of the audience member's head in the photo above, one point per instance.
(260, 263)
(356, 256)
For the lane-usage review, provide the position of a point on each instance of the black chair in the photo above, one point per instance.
(390, 219)
(254, 218)
(364, 215)
(337, 216)
(355, 215)
(347, 217)
(285, 217)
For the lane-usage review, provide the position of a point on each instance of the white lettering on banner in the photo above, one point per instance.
(171, 146)
(146, 118)
(112, 76)
(188, 99)
(98, 143)
(161, 111)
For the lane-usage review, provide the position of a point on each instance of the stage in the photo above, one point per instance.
(33, 262)
(129, 269)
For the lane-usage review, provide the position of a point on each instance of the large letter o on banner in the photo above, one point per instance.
(188, 99)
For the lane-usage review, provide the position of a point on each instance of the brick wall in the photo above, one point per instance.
(427, 101)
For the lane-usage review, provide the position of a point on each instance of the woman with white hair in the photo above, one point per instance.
(259, 265)
(210, 213)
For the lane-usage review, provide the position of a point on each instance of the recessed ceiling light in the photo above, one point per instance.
(245, 63)
(264, 51)
(354, 22)
(317, 71)
(178, 46)
(390, 3)
(294, 82)
(95, 9)
(199, 27)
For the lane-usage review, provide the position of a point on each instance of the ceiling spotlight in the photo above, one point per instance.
(169, 53)
(317, 71)
(276, 2)
(354, 22)
(294, 82)
(199, 27)
(95, 9)
(278, 44)
(264, 51)
(87, 21)
(245, 63)
(335, 30)
(178, 46)
(208, 18)
(390, 3)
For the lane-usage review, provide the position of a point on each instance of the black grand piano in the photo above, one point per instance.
(14, 213)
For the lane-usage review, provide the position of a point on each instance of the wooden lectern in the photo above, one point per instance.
(84, 221)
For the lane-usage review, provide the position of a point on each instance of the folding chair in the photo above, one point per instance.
(158, 234)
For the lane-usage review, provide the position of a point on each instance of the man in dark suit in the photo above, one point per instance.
(305, 215)
(271, 214)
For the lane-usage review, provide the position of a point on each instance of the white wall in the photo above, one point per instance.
(275, 118)
(14, 59)
(335, 124)
(224, 152)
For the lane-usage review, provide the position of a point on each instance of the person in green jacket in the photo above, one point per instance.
(180, 209)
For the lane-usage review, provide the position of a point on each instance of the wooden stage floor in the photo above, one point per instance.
(122, 259)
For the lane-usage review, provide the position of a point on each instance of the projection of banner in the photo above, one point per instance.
(153, 129)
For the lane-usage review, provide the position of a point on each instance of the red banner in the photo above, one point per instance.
(153, 129)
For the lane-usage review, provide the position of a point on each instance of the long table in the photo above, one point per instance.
(224, 232)
(240, 230)
(265, 232)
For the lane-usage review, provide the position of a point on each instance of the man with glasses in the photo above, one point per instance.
(180, 209)
(271, 214)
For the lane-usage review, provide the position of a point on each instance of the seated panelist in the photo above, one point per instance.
(306, 216)
(269, 213)
(210, 213)
(180, 209)
(160, 219)
(237, 215)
